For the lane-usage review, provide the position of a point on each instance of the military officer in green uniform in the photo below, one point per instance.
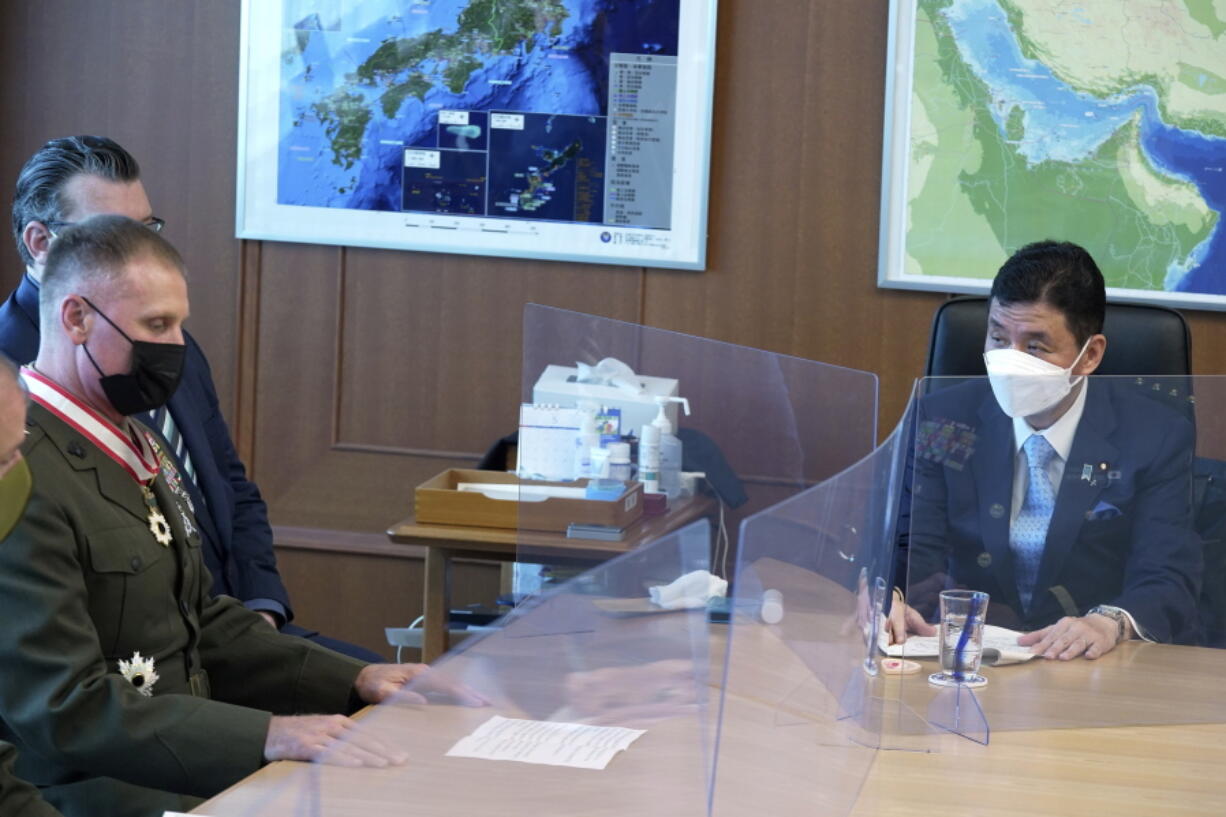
(17, 798)
(125, 687)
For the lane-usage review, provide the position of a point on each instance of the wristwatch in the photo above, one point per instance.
(1115, 614)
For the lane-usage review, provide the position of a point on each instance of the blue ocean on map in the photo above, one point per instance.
(1066, 125)
(361, 166)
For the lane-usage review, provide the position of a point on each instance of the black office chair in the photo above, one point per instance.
(1149, 341)
(1142, 340)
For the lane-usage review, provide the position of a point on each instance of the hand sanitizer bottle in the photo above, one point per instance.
(649, 459)
(670, 448)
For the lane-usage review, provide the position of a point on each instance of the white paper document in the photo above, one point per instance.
(552, 744)
(999, 646)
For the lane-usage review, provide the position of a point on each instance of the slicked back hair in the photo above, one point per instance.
(40, 185)
(1060, 274)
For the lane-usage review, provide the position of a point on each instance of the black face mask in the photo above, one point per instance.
(156, 371)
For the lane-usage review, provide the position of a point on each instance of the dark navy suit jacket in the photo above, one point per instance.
(1121, 532)
(229, 510)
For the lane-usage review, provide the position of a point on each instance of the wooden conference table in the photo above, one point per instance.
(444, 543)
(776, 759)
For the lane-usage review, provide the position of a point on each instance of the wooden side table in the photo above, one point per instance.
(446, 542)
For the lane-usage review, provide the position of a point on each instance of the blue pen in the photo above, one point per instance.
(965, 636)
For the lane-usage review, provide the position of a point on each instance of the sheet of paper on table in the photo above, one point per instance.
(999, 646)
(552, 744)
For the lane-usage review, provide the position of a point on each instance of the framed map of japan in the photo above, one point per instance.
(563, 129)
(1101, 122)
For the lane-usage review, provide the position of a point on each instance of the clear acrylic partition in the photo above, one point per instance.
(1136, 521)
(620, 663)
(762, 428)
(806, 703)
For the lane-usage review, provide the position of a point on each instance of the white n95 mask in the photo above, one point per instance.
(1024, 385)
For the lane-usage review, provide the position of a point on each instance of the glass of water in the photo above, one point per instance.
(962, 615)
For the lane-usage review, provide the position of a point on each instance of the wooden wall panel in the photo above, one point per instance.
(844, 318)
(425, 350)
(160, 77)
(385, 578)
(1208, 341)
(430, 344)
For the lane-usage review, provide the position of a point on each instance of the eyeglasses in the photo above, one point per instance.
(153, 223)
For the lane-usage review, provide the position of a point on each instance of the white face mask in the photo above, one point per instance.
(1024, 385)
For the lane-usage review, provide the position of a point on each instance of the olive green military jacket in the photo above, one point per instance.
(18, 798)
(83, 584)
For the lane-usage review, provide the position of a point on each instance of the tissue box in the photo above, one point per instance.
(437, 502)
(557, 386)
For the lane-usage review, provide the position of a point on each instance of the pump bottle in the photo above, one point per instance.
(669, 447)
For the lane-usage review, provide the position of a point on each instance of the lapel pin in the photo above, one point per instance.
(76, 450)
(1087, 472)
(1112, 476)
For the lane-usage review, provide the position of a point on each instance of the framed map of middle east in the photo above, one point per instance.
(560, 129)
(1101, 122)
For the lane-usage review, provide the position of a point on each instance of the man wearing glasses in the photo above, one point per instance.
(67, 181)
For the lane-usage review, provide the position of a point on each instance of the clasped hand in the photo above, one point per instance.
(341, 741)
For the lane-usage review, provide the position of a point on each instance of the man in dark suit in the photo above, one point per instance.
(1066, 499)
(124, 684)
(69, 180)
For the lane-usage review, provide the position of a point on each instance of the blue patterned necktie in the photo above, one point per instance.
(165, 425)
(1029, 532)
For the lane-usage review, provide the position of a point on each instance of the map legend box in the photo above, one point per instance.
(642, 125)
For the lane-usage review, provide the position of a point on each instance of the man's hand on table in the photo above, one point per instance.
(341, 741)
(1093, 636)
(904, 620)
(377, 683)
(333, 739)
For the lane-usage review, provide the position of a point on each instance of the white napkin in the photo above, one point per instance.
(609, 372)
(691, 591)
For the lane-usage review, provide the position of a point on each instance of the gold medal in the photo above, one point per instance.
(158, 525)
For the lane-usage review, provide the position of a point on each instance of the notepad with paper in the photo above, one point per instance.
(999, 646)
